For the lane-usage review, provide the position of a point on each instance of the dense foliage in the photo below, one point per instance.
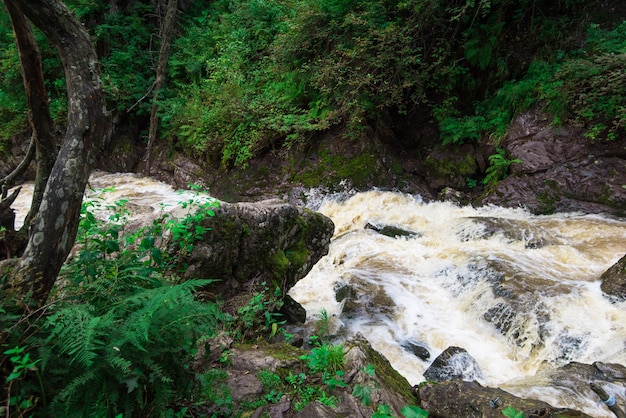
(120, 330)
(246, 76)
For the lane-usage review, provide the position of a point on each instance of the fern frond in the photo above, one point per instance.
(75, 389)
(78, 333)
(120, 364)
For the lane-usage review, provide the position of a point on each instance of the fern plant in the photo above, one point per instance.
(121, 335)
(129, 356)
(498, 167)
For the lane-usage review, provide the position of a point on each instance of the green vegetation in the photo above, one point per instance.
(512, 413)
(248, 76)
(251, 76)
(120, 331)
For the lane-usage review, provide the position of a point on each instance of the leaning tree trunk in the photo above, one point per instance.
(37, 97)
(54, 229)
(164, 53)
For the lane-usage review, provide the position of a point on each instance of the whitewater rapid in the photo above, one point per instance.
(454, 281)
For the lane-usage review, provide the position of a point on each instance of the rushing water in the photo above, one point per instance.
(144, 196)
(519, 292)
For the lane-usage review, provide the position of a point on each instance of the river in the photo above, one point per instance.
(520, 292)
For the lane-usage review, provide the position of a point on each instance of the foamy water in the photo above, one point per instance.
(143, 195)
(440, 284)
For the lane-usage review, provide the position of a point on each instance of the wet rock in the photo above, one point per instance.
(451, 165)
(366, 298)
(561, 170)
(417, 349)
(502, 316)
(609, 371)
(392, 231)
(448, 194)
(512, 229)
(471, 400)
(292, 311)
(248, 244)
(453, 363)
(343, 291)
(570, 383)
(614, 280)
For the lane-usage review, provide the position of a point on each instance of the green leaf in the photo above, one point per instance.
(383, 411)
(14, 375)
(132, 383)
(512, 412)
(412, 411)
(363, 392)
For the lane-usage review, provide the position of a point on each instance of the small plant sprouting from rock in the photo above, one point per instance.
(260, 314)
(324, 365)
(511, 412)
(498, 167)
(325, 358)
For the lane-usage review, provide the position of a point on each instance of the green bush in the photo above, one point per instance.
(120, 333)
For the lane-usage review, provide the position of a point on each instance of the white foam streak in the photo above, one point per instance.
(144, 195)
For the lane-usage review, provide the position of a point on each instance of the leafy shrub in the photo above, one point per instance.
(119, 335)
(596, 92)
(129, 356)
(260, 314)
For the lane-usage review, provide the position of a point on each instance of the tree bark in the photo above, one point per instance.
(37, 98)
(55, 226)
(164, 53)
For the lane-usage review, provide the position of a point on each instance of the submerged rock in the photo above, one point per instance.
(417, 349)
(392, 231)
(575, 385)
(533, 236)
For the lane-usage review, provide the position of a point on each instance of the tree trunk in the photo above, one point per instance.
(55, 226)
(164, 53)
(37, 98)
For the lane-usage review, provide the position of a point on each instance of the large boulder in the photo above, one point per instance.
(369, 380)
(246, 244)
